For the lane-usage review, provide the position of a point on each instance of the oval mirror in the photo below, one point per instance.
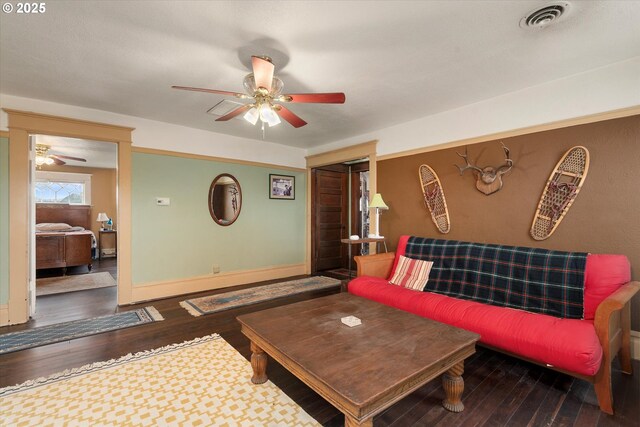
(225, 199)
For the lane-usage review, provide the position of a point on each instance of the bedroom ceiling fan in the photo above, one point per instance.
(266, 91)
(44, 158)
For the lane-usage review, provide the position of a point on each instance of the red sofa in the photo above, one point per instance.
(583, 348)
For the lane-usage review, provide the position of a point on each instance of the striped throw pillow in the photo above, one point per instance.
(411, 273)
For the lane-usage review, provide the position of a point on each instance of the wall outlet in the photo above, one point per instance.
(163, 201)
(215, 269)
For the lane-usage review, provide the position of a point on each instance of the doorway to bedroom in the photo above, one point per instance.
(339, 209)
(74, 260)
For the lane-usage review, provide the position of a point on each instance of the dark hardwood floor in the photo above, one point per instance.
(97, 266)
(499, 390)
(51, 309)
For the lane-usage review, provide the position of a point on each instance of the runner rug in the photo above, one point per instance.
(80, 282)
(35, 337)
(228, 300)
(201, 382)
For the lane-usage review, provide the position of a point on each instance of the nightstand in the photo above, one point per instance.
(100, 240)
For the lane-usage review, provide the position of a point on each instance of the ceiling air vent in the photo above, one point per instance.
(224, 107)
(545, 16)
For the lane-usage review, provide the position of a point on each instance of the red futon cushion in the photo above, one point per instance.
(568, 344)
(603, 275)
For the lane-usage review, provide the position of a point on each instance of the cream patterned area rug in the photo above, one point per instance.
(80, 282)
(201, 382)
(228, 300)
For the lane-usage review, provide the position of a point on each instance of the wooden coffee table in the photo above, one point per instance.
(364, 369)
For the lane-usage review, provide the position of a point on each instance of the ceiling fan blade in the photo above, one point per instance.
(57, 161)
(286, 114)
(219, 92)
(262, 72)
(316, 98)
(234, 113)
(60, 156)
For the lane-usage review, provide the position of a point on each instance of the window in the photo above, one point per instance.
(63, 187)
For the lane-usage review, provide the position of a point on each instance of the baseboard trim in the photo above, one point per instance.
(172, 288)
(4, 314)
(635, 345)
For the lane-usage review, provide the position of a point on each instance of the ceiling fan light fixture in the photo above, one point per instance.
(275, 120)
(252, 115)
(269, 116)
(276, 86)
(250, 87)
(249, 83)
(266, 89)
(40, 160)
(41, 155)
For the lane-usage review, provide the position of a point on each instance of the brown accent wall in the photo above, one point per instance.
(605, 217)
(103, 192)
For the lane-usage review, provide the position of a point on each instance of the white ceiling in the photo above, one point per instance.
(395, 60)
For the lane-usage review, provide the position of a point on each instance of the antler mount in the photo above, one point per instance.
(488, 178)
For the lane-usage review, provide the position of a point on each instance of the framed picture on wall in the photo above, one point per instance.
(282, 187)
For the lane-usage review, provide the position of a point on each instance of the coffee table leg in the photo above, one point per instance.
(352, 422)
(453, 386)
(259, 364)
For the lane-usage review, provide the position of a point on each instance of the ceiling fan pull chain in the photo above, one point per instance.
(263, 131)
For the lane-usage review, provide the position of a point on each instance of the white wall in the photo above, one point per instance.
(165, 136)
(600, 90)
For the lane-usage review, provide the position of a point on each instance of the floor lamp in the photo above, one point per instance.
(378, 204)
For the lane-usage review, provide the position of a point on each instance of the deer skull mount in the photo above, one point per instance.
(488, 178)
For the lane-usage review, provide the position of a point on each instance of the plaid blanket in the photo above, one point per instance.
(536, 280)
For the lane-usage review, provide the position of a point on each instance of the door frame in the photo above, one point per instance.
(355, 221)
(353, 152)
(21, 124)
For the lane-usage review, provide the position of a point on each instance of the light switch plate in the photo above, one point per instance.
(163, 201)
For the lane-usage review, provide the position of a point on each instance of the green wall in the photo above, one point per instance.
(4, 220)
(182, 241)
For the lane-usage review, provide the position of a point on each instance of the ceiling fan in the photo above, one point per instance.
(44, 158)
(266, 91)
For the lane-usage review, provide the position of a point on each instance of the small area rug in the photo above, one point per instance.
(228, 300)
(200, 382)
(80, 282)
(43, 335)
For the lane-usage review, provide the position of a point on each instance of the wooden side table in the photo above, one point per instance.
(352, 242)
(115, 237)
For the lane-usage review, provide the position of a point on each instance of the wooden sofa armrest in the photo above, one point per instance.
(378, 265)
(618, 303)
(613, 327)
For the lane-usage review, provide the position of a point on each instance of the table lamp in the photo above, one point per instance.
(377, 203)
(102, 217)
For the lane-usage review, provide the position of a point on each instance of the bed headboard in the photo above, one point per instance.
(75, 215)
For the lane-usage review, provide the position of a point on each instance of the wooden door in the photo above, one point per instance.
(329, 210)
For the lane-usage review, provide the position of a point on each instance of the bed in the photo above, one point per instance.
(63, 236)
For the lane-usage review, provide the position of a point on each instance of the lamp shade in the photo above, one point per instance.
(102, 217)
(252, 115)
(377, 202)
(269, 116)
